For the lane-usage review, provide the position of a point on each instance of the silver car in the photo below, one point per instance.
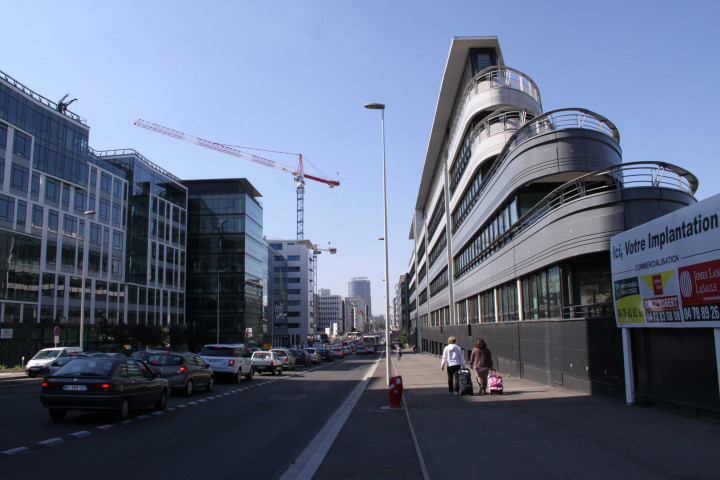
(184, 371)
(313, 356)
(287, 358)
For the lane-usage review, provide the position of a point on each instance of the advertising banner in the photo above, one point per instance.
(666, 273)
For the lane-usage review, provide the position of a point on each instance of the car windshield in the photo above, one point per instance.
(47, 355)
(63, 360)
(165, 360)
(141, 355)
(217, 352)
(88, 366)
(263, 356)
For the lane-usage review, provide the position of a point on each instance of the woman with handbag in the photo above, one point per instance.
(481, 361)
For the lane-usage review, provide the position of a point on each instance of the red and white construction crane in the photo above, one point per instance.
(298, 173)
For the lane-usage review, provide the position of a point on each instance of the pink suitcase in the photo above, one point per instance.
(494, 383)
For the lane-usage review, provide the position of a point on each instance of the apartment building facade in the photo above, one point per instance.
(512, 222)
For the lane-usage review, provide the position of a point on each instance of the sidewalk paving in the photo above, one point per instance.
(531, 431)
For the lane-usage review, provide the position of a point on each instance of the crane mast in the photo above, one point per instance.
(297, 173)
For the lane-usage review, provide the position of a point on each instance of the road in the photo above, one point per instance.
(254, 429)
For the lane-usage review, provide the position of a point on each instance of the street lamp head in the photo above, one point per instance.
(381, 238)
(90, 212)
(375, 106)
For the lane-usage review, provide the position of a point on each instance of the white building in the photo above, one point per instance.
(330, 313)
(300, 288)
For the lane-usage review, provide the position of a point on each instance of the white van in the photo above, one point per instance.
(39, 363)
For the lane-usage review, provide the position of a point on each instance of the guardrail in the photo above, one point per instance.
(44, 100)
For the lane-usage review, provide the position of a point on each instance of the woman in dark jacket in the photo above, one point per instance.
(481, 361)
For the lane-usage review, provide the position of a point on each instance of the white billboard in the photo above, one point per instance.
(666, 273)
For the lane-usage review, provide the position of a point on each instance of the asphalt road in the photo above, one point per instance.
(253, 429)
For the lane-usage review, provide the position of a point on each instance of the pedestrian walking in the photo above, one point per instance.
(399, 351)
(481, 361)
(452, 358)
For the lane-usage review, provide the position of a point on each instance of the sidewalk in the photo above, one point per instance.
(531, 431)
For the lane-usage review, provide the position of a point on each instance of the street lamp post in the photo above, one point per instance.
(381, 107)
(87, 213)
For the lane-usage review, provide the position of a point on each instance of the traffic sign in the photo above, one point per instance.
(56, 331)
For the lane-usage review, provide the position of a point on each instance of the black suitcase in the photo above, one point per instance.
(464, 380)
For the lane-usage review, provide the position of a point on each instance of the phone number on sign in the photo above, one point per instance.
(702, 312)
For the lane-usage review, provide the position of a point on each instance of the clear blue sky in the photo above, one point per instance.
(294, 76)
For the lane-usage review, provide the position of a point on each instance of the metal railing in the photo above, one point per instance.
(488, 79)
(129, 152)
(619, 177)
(44, 100)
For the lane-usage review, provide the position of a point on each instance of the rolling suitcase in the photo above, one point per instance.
(464, 380)
(494, 383)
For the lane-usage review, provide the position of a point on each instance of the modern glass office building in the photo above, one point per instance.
(68, 213)
(227, 264)
(513, 218)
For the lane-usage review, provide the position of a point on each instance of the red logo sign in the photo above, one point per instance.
(657, 284)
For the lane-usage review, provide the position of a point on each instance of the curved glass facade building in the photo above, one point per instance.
(513, 218)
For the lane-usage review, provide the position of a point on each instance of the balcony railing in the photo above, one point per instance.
(619, 177)
(45, 101)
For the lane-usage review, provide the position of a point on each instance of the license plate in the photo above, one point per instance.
(81, 388)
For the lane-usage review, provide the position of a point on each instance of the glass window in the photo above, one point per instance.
(21, 146)
(95, 233)
(37, 216)
(69, 225)
(104, 208)
(106, 236)
(105, 182)
(93, 176)
(21, 212)
(117, 188)
(3, 136)
(52, 190)
(20, 177)
(35, 184)
(80, 200)
(91, 203)
(117, 239)
(53, 220)
(51, 253)
(66, 195)
(7, 208)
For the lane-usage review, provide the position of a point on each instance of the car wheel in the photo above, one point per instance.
(210, 385)
(238, 377)
(58, 414)
(162, 402)
(189, 388)
(124, 410)
(274, 371)
(250, 375)
(31, 374)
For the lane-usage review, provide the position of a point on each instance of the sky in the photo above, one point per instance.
(293, 76)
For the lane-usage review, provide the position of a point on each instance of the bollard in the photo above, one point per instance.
(396, 389)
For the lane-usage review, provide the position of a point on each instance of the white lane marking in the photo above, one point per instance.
(52, 442)
(15, 451)
(310, 459)
(81, 433)
(105, 427)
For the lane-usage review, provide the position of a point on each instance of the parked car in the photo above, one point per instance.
(232, 360)
(184, 371)
(145, 354)
(38, 365)
(301, 357)
(326, 354)
(360, 350)
(102, 383)
(62, 360)
(287, 358)
(267, 361)
(313, 356)
(337, 352)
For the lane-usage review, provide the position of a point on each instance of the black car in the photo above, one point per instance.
(325, 354)
(301, 357)
(102, 383)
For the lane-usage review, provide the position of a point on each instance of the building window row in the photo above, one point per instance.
(422, 297)
(439, 282)
(437, 215)
(422, 272)
(421, 249)
(487, 240)
(470, 195)
(437, 249)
